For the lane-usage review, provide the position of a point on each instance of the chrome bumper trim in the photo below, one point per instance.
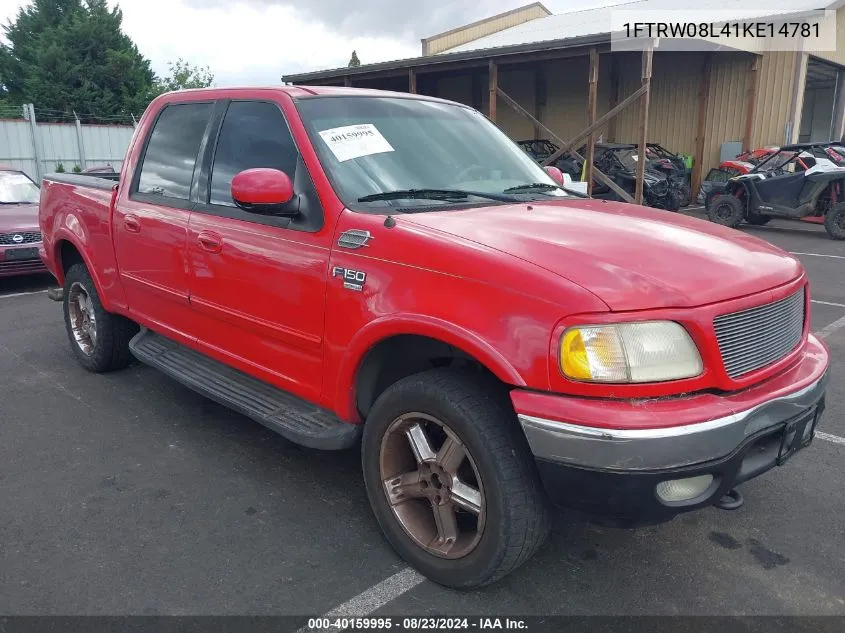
(671, 447)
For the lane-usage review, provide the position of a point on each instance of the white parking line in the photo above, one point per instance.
(818, 255)
(376, 596)
(828, 303)
(831, 328)
(22, 294)
(830, 438)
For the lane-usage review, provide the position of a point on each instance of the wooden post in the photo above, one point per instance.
(614, 95)
(597, 173)
(412, 81)
(641, 161)
(592, 97)
(493, 88)
(751, 102)
(703, 101)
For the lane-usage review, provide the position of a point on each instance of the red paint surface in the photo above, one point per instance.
(501, 283)
(262, 186)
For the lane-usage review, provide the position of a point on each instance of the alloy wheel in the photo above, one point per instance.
(432, 485)
(83, 321)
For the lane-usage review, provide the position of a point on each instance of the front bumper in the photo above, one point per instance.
(21, 260)
(613, 471)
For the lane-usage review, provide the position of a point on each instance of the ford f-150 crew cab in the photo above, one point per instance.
(354, 266)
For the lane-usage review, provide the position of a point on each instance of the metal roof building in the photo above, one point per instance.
(699, 99)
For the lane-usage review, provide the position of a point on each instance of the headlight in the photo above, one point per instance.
(649, 351)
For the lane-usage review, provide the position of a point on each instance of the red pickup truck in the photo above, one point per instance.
(354, 266)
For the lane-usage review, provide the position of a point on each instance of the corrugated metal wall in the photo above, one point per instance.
(837, 56)
(57, 143)
(673, 113)
(456, 37)
(777, 71)
(726, 107)
(519, 85)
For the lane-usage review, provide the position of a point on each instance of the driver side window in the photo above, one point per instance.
(253, 134)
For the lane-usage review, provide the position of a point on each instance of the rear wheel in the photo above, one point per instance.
(451, 480)
(834, 221)
(726, 210)
(99, 339)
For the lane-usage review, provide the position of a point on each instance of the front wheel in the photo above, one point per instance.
(99, 339)
(834, 221)
(451, 480)
(726, 210)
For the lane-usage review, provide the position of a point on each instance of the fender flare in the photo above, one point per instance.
(419, 325)
(65, 234)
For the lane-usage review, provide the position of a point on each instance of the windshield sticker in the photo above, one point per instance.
(355, 141)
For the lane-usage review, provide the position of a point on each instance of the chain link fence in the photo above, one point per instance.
(62, 144)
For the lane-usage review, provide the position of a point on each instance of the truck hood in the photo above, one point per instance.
(631, 257)
(18, 217)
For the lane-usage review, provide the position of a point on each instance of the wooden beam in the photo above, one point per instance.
(751, 102)
(644, 103)
(597, 173)
(703, 102)
(592, 97)
(493, 81)
(595, 126)
(412, 81)
(614, 96)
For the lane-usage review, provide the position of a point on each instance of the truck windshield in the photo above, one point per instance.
(16, 188)
(388, 145)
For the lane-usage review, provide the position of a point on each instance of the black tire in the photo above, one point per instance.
(834, 221)
(110, 347)
(517, 510)
(726, 210)
(757, 220)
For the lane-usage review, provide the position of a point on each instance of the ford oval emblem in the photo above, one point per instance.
(17, 238)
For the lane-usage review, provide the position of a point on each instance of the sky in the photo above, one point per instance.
(255, 42)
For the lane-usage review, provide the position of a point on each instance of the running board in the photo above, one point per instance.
(292, 418)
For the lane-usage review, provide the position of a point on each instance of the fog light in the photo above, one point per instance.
(676, 490)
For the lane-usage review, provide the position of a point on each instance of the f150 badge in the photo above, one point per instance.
(352, 279)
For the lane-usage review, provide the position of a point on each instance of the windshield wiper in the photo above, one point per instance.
(433, 194)
(543, 186)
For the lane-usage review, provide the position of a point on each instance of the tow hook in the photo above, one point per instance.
(731, 500)
(56, 294)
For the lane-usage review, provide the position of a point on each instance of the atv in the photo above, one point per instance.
(619, 161)
(661, 159)
(799, 182)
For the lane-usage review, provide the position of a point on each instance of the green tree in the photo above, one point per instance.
(354, 62)
(71, 55)
(184, 75)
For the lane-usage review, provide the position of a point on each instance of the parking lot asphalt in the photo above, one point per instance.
(127, 493)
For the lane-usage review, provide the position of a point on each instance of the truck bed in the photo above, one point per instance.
(75, 216)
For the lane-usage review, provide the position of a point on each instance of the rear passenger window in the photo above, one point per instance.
(168, 166)
(254, 134)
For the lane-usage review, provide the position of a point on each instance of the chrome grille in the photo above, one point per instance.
(26, 237)
(757, 337)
